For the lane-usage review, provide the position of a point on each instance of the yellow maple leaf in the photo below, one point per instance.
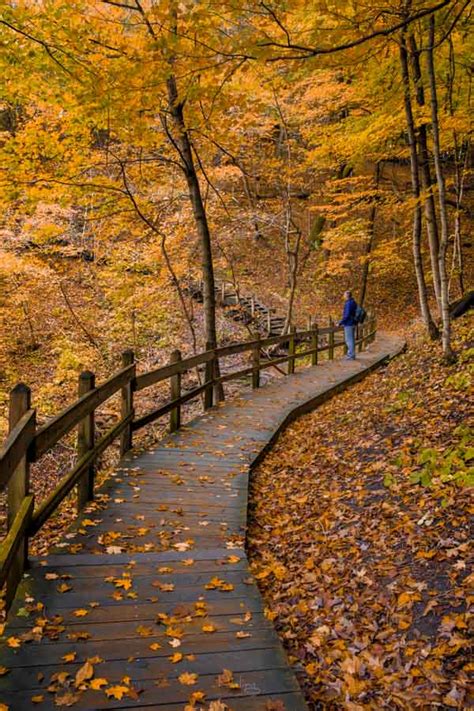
(176, 657)
(38, 699)
(14, 642)
(187, 678)
(155, 646)
(117, 692)
(208, 628)
(69, 657)
(97, 684)
(80, 613)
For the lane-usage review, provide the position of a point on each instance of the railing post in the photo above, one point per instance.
(331, 339)
(18, 487)
(291, 351)
(218, 387)
(269, 321)
(373, 327)
(85, 442)
(314, 345)
(360, 336)
(256, 363)
(175, 393)
(126, 440)
(209, 377)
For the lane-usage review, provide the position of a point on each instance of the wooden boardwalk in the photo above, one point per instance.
(152, 585)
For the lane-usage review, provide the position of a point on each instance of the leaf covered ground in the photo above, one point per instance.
(359, 537)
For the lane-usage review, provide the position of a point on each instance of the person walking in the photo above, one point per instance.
(349, 322)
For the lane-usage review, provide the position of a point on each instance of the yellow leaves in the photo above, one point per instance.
(231, 559)
(164, 587)
(176, 657)
(187, 679)
(14, 642)
(69, 657)
(4, 707)
(201, 608)
(80, 613)
(63, 588)
(208, 628)
(242, 635)
(145, 631)
(98, 684)
(217, 584)
(66, 698)
(227, 679)
(38, 699)
(117, 692)
(195, 698)
(275, 568)
(174, 631)
(154, 646)
(125, 582)
(84, 673)
(406, 599)
(4, 670)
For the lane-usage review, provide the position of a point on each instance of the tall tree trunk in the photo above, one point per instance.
(443, 213)
(426, 181)
(415, 182)
(370, 241)
(459, 178)
(183, 144)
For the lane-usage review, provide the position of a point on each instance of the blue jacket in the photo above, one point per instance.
(348, 317)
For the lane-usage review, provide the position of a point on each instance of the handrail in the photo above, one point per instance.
(48, 435)
(16, 444)
(26, 443)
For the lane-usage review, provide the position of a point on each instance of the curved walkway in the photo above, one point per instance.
(152, 587)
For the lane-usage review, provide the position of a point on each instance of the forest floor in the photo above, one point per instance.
(359, 537)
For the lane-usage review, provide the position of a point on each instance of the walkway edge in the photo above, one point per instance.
(317, 400)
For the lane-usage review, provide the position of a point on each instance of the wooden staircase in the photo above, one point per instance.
(244, 309)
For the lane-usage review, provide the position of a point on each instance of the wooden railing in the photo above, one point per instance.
(27, 443)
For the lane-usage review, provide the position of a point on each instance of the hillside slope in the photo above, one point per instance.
(360, 537)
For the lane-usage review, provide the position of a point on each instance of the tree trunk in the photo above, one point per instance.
(448, 352)
(426, 181)
(415, 181)
(370, 242)
(459, 178)
(184, 147)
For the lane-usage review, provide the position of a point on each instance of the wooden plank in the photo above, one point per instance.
(49, 434)
(16, 446)
(193, 642)
(253, 685)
